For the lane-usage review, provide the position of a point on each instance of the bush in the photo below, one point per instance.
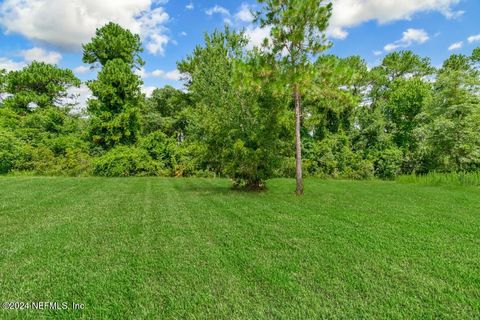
(333, 157)
(360, 170)
(388, 163)
(286, 168)
(126, 161)
(11, 151)
(38, 160)
(75, 162)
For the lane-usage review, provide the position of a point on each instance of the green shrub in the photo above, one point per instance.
(75, 162)
(333, 157)
(11, 151)
(126, 161)
(360, 170)
(388, 163)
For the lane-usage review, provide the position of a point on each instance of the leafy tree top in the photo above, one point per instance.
(404, 64)
(212, 64)
(297, 27)
(116, 87)
(476, 55)
(39, 83)
(168, 101)
(113, 42)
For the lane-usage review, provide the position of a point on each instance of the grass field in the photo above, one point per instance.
(193, 249)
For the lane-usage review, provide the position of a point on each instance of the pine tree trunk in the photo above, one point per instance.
(298, 141)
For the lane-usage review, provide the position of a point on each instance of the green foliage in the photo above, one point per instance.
(108, 130)
(387, 131)
(405, 100)
(39, 85)
(451, 131)
(296, 26)
(333, 157)
(450, 179)
(116, 88)
(115, 118)
(238, 115)
(42, 160)
(167, 111)
(124, 161)
(235, 119)
(11, 151)
(47, 141)
(404, 64)
(297, 33)
(113, 42)
(168, 152)
(333, 95)
(388, 163)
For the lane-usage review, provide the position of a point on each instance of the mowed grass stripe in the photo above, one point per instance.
(150, 248)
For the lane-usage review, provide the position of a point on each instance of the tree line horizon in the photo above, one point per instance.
(286, 109)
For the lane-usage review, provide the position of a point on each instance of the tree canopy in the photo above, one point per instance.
(113, 42)
(38, 85)
(286, 109)
(115, 109)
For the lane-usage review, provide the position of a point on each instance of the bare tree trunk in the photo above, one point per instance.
(298, 141)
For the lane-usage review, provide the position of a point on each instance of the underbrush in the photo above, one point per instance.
(435, 178)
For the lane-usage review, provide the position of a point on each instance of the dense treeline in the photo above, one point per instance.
(236, 117)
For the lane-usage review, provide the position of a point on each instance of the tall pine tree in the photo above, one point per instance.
(115, 109)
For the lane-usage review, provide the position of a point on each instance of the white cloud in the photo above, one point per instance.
(79, 97)
(157, 44)
(190, 6)
(10, 65)
(183, 34)
(67, 24)
(39, 54)
(81, 69)
(350, 13)
(377, 53)
(158, 73)
(148, 91)
(173, 75)
(256, 35)
(411, 36)
(33, 54)
(456, 46)
(217, 9)
(153, 30)
(142, 73)
(244, 14)
(473, 39)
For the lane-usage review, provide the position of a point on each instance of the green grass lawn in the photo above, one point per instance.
(192, 248)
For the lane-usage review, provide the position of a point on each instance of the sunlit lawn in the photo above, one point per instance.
(192, 248)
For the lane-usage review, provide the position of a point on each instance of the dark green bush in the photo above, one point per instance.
(388, 163)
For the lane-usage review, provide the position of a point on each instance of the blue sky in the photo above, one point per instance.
(53, 30)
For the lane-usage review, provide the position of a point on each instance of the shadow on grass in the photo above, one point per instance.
(209, 187)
